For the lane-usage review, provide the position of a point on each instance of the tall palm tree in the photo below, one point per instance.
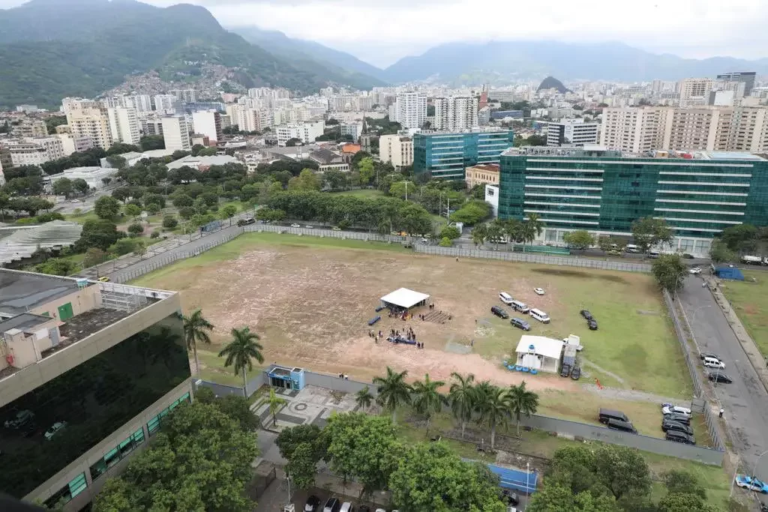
(275, 404)
(494, 233)
(462, 399)
(364, 398)
(195, 330)
(479, 235)
(522, 401)
(513, 228)
(393, 391)
(533, 227)
(494, 409)
(427, 400)
(243, 348)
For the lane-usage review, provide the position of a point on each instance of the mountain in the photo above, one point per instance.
(552, 83)
(499, 61)
(51, 49)
(278, 43)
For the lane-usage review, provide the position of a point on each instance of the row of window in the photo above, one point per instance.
(116, 454)
(153, 425)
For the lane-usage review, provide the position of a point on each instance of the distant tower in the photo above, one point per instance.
(483, 97)
(365, 138)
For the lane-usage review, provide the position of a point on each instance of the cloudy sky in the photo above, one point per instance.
(382, 31)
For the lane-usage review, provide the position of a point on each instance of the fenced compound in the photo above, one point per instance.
(570, 261)
(325, 233)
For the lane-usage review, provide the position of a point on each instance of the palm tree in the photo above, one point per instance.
(533, 227)
(522, 401)
(479, 234)
(393, 391)
(364, 398)
(275, 403)
(462, 399)
(494, 409)
(494, 232)
(427, 400)
(514, 230)
(195, 327)
(241, 350)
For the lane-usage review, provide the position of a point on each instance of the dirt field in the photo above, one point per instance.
(310, 304)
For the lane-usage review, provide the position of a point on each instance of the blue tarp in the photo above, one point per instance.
(515, 480)
(729, 273)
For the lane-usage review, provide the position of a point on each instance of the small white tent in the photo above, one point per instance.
(404, 299)
(539, 353)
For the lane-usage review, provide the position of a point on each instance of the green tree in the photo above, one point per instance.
(366, 168)
(532, 227)
(579, 240)
(683, 502)
(301, 468)
(402, 189)
(117, 161)
(649, 232)
(426, 398)
(471, 213)
(492, 404)
(720, 253)
(682, 482)
(241, 351)
(450, 232)
(62, 187)
(228, 212)
(393, 391)
(558, 498)
(290, 439)
(100, 233)
(239, 409)
(106, 207)
(186, 212)
(123, 246)
(183, 200)
(445, 242)
(364, 398)
(80, 186)
(196, 329)
(131, 210)
(462, 399)
(93, 257)
(479, 235)
(140, 249)
(151, 142)
(56, 267)
(430, 477)
(274, 402)
(669, 271)
(740, 238)
(521, 401)
(170, 222)
(135, 229)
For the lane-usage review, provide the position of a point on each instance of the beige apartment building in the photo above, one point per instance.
(636, 130)
(92, 123)
(480, 174)
(397, 150)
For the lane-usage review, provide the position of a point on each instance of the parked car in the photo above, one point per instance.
(713, 356)
(520, 324)
(21, 419)
(592, 324)
(511, 498)
(719, 377)
(364, 508)
(695, 270)
(679, 437)
(565, 371)
(313, 503)
(576, 373)
(711, 362)
(308, 226)
(332, 505)
(622, 426)
(506, 298)
(675, 425)
(294, 225)
(538, 291)
(104, 279)
(347, 507)
(337, 228)
(499, 312)
(680, 418)
(55, 429)
(586, 314)
(246, 221)
(669, 408)
(607, 414)
(753, 484)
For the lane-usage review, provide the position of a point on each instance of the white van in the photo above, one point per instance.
(540, 316)
(654, 254)
(632, 248)
(506, 298)
(520, 306)
(712, 362)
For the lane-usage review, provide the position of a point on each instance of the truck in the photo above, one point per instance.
(753, 260)
(574, 341)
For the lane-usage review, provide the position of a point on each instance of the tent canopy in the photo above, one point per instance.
(542, 346)
(404, 298)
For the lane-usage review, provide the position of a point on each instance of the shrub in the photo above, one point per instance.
(135, 229)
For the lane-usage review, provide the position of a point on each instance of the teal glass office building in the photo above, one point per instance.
(447, 155)
(601, 191)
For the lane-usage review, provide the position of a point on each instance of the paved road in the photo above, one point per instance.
(84, 205)
(745, 401)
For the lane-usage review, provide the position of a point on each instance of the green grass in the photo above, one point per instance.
(81, 217)
(233, 249)
(750, 300)
(365, 192)
(213, 370)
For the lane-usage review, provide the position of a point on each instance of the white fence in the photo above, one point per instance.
(325, 233)
(544, 259)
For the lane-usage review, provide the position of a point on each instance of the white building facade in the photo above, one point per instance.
(306, 132)
(397, 150)
(456, 113)
(411, 109)
(124, 125)
(176, 134)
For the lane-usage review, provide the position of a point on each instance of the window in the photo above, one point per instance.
(69, 491)
(117, 454)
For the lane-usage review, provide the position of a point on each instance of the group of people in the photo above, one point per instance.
(401, 314)
(372, 334)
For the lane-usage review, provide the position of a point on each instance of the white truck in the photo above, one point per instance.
(753, 260)
(575, 341)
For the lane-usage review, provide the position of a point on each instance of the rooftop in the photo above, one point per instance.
(540, 345)
(487, 167)
(196, 161)
(22, 291)
(595, 151)
(22, 322)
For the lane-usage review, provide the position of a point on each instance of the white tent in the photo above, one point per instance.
(404, 298)
(539, 352)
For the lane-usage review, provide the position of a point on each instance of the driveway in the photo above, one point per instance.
(745, 401)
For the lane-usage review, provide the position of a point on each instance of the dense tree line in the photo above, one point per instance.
(88, 158)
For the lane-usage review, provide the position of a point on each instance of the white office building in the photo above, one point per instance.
(306, 132)
(208, 123)
(694, 92)
(397, 150)
(176, 134)
(35, 151)
(165, 104)
(352, 129)
(456, 113)
(411, 109)
(124, 125)
(572, 132)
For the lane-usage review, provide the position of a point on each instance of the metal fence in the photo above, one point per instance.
(691, 359)
(570, 261)
(325, 233)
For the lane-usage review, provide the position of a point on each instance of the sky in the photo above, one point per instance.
(382, 31)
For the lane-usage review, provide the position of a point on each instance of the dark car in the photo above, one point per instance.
(313, 502)
(592, 324)
(713, 356)
(332, 505)
(677, 426)
(607, 415)
(510, 498)
(520, 324)
(719, 377)
(565, 370)
(576, 373)
(679, 437)
(586, 314)
(246, 221)
(679, 418)
(496, 310)
(364, 508)
(623, 426)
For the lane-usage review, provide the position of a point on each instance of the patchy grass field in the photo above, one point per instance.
(310, 298)
(750, 300)
(363, 192)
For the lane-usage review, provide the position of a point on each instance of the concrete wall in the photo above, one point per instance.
(219, 389)
(82, 300)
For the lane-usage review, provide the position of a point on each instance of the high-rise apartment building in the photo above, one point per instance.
(572, 132)
(456, 113)
(185, 95)
(695, 91)
(176, 134)
(139, 102)
(747, 77)
(603, 191)
(166, 104)
(81, 393)
(30, 128)
(35, 151)
(447, 155)
(397, 150)
(124, 125)
(305, 132)
(91, 121)
(208, 123)
(411, 109)
(151, 125)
